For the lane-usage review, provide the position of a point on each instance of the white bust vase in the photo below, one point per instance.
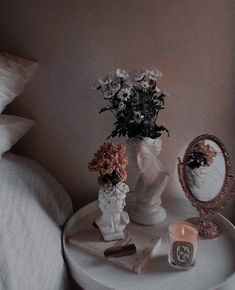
(113, 220)
(151, 182)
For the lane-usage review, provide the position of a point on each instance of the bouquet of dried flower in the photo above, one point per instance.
(135, 100)
(201, 155)
(110, 161)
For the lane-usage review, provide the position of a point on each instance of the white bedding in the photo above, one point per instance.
(33, 208)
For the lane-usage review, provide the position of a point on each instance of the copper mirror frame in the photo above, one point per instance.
(208, 229)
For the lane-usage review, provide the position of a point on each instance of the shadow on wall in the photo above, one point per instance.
(77, 41)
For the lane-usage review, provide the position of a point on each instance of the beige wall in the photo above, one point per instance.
(191, 42)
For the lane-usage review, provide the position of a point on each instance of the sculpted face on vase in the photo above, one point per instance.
(148, 164)
(113, 204)
(113, 220)
(197, 176)
(196, 179)
(150, 183)
(112, 200)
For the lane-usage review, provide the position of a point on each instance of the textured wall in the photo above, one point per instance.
(191, 42)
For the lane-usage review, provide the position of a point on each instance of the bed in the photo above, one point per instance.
(33, 209)
(33, 205)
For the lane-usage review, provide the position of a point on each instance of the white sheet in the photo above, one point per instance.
(33, 207)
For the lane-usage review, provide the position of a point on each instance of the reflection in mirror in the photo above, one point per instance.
(205, 170)
(206, 178)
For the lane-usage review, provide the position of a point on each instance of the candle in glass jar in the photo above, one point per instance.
(183, 245)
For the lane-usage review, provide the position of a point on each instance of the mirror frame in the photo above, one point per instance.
(226, 193)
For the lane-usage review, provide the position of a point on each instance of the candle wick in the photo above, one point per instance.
(183, 232)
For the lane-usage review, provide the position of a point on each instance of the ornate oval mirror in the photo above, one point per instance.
(206, 178)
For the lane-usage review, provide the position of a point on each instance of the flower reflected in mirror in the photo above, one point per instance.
(201, 155)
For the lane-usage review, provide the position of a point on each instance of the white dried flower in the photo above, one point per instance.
(145, 85)
(138, 75)
(124, 94)
(115, 86)
(153, 74)
(157, 90)
(122, 74)
(106, 80)
(138, 117)
(135, 100)
(108, 93)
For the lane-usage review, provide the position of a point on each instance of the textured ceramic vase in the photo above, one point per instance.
(113, 220)
(151, 182)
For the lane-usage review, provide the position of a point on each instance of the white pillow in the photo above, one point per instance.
(12, 128)
(15, 72)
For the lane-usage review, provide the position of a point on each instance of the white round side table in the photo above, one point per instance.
(214, 269)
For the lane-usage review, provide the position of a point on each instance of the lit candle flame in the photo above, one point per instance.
(183, 232)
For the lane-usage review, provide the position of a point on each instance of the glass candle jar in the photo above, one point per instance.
(183, 238)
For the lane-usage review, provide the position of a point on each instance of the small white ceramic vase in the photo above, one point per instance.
(151, 182)
(113, 220)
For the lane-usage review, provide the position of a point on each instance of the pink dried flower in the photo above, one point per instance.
(110, 161)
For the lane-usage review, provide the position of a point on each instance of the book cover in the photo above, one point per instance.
(91, 241)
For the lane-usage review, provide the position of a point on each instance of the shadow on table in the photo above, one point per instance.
(158, 264)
